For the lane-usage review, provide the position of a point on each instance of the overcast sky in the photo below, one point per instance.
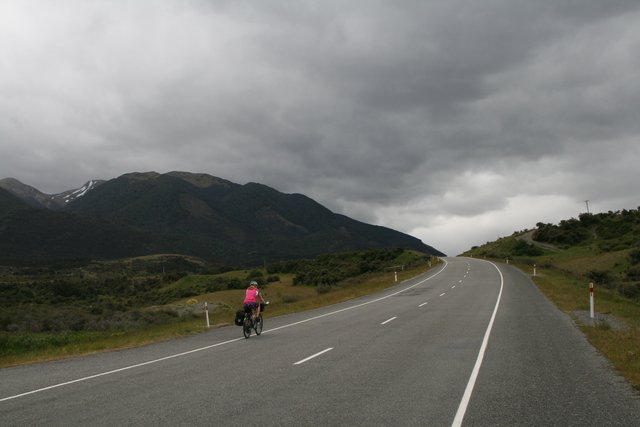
(454, 121)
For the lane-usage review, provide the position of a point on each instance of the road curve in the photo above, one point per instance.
(468, 343)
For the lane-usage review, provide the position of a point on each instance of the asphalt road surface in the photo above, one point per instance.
(468, 343)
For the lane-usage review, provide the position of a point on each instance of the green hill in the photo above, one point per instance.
(603, 248)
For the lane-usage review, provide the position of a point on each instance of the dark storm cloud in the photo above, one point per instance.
(430, 117)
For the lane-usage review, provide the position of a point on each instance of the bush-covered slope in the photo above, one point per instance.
(606, 232)
(604, 248)
(119, 294)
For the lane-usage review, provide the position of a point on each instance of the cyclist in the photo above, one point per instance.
(251, 297)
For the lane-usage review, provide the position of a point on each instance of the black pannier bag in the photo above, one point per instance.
(239, 318)
(262, 306)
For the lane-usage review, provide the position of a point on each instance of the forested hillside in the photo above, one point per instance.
(190, 214)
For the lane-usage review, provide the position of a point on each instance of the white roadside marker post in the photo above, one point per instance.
(591, 308)
(206, 312)
(534, 270)
(395, 274)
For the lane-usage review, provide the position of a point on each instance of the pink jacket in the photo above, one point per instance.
(251, 295)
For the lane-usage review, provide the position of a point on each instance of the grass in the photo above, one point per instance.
(28, 348)
(284, 298)
(188, 281)
(620, 345)
(580, 260)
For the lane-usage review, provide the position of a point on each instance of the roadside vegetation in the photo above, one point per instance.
(59, 309)
(603, 249)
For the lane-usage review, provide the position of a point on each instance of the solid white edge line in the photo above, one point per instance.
(389, 320)
(216, 345)
(313, 356)
(464, 403)
(126, 368)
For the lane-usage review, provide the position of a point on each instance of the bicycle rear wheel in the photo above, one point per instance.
(258, 325)
(246, 327)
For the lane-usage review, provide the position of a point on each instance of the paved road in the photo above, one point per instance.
(469, 343)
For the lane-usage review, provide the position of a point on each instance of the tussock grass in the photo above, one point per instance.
(622, 348)
(25, 348)
(579, 262)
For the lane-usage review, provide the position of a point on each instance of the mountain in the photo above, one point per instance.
(62, 199)
(9, 201)
(206, 216)
(37, 199)
(28, 232)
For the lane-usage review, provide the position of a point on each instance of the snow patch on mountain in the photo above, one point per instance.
(38, 199)
(71, 195)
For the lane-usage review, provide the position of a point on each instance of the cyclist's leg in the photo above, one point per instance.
(258, 325)
(247, 324)
(248, 311)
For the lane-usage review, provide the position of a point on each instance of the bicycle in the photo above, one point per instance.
(249, 323)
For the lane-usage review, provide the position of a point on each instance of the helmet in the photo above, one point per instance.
(253, 283)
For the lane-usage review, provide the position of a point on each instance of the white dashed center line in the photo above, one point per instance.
(388, 320)
(313, 356)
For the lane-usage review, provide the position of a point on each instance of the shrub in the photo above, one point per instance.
(254, 274)
(568, 232)
(323, 289)
(523, 248)
(215, 286)
(630, 290)
(236, 284)
(602, 278)
(633, 273)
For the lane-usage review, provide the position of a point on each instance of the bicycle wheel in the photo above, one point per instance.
(258, 325)
(246, 327)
